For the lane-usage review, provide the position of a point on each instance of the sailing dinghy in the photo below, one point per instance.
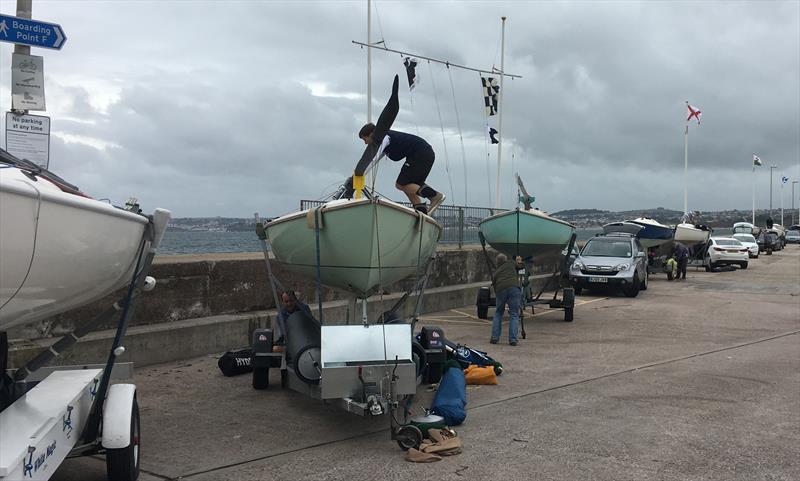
(360, 243)
(526, 231)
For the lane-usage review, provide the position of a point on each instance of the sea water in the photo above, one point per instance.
(203, 242)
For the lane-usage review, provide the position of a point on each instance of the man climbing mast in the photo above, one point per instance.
(419, 157)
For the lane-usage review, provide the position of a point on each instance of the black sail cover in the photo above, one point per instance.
(385, 121)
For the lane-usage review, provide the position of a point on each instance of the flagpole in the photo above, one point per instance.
(754, 193)
(500, 112)
(782, 200)
(686, 168)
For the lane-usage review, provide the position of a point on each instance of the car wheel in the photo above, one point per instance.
(743, 265)
(578, 290)
(632, 291)
(643, 286)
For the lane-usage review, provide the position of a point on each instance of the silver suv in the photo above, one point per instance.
(616, 259)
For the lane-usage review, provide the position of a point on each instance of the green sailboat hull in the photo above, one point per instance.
(531, 234)
(363, 244)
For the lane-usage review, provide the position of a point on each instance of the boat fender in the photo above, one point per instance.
(314, 218)
(117, 416)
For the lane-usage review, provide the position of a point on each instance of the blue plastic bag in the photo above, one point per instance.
(450, 401)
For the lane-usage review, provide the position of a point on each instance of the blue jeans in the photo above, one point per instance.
(511, 296)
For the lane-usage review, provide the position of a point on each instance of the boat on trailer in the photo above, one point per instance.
(60, 249)
(527, 231)
(692, 233)
(363, 243)
(654, 232)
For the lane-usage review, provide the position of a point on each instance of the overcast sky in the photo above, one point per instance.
(230, 108)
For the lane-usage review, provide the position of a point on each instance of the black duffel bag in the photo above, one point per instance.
(233, 363)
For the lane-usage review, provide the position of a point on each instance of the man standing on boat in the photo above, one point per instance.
(506, 291)
(419, 161)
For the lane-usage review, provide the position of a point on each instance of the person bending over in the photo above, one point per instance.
(419, 161)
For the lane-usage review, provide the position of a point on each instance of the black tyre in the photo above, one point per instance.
(633, 290)
(568, 297)
(578, 290)
(569, 313)
(743, 265)
(482, 302)
(669, 275)
(284, 378)
(260, 378)
(123, 464)
(643, 286)
(769, 251)
(408, 436)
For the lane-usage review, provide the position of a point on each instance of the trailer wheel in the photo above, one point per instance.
(408, 436)
(569, 313)
(260, 377)
(284, 378)
(483, 302)
(123, 464)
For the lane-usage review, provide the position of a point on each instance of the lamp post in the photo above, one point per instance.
(771, 168)
(798, 220)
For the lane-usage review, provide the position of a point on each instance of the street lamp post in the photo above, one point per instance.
(771, 168)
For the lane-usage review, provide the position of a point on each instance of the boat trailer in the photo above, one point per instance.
(48, 414)
(559, 280)
(367, 368)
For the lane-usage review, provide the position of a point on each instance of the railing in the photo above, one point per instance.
(459, 223)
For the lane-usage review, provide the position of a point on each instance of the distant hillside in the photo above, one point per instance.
(583, 218)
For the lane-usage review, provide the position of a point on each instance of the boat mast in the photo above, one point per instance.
(369, 75)
(500, 112)
(369, 61)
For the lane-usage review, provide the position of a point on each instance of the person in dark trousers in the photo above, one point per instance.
(507, 292)
(419, 161)
(681, 254)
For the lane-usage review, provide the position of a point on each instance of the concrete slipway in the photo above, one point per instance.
(692, 380)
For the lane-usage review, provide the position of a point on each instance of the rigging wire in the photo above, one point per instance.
(460, 135)
(441, 125)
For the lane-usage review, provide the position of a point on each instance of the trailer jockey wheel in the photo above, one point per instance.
(408, 436)
(260, 377)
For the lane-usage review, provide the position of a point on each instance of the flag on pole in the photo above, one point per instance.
(784, 179)
(756, 160)
(490, 91)
(693, 112)
(492, 133)
(411, 71)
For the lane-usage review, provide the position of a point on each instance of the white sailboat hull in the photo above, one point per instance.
(689, 234)
(59, 251)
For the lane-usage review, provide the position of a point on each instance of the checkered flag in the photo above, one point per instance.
(490, 90)
(411, 71)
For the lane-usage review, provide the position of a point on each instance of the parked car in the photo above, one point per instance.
(748, 241)
(723, 251)
(616, 259)
(793, 236)
(768, 241)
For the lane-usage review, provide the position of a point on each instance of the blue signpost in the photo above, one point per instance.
(24, 31)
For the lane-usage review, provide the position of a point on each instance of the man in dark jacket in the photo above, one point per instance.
(419, 161)
(681, 254)
(507, 291)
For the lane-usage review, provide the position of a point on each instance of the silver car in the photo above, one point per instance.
(615, 259)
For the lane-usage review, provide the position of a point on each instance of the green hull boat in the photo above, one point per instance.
(363, 244)
(529, 233)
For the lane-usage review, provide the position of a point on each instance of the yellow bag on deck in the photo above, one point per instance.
(475, 374)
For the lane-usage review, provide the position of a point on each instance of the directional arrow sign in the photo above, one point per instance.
(31, 32)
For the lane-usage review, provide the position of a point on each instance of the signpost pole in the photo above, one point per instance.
(24, 10)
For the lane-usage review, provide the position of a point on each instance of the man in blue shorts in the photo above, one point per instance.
(419, 161)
